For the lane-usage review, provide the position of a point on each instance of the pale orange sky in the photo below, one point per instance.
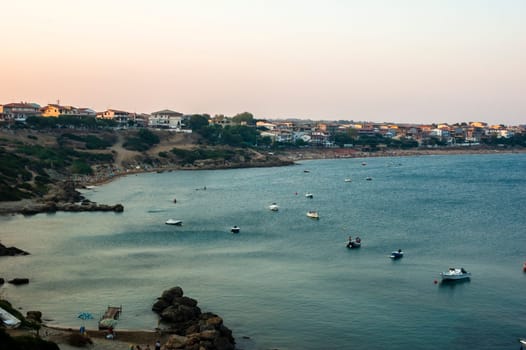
(378, 60)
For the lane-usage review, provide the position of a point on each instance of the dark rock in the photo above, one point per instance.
(11, 251)
(222, 343)
(160, 305)
(170, 294)
(184, 301)
(19, 281)
(34, 316)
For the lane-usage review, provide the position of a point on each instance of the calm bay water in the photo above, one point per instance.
(287, 281)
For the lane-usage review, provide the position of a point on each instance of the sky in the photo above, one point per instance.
(403, 61)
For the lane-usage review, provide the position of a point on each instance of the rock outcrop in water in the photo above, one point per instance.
(192, 329)
(11, 251)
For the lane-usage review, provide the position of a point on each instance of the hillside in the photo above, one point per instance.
(34, 163)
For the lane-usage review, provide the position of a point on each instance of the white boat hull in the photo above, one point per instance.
(455, 274)
(174, 222)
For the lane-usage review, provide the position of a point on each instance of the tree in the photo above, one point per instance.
(245, 117)
(197, 122)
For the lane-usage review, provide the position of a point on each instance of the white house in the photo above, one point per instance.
(166, 119)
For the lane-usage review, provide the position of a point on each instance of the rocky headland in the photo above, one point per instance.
(189, 327)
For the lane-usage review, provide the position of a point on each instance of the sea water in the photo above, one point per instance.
(287, 281)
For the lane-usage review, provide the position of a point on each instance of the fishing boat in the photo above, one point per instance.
(235, 229)
(273, 207)
(309, 195)
(313, 214)
(348, 179)
(454, 274)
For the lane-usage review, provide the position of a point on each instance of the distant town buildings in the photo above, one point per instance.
(322, 134)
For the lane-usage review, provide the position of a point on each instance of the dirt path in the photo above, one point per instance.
(122, 155)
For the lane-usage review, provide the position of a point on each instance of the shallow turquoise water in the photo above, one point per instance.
(287, 281)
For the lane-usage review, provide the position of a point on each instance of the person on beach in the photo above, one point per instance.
(158, 345)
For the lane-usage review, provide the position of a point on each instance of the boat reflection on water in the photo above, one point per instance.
(453, 283)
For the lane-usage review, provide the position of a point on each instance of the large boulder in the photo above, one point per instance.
(169, 294)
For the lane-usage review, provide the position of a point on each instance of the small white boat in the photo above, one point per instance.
(348, 179)
(454, 273)
(273, 207)
(174, 222)
(235, 229)
(313, 214)
(522, 342)
(309, 195)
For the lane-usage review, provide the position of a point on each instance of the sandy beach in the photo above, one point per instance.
(123, 341)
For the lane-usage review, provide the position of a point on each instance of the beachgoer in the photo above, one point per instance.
(350, 242)
(82, 330)
(158, 345)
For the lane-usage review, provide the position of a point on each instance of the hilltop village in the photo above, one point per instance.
(299, 132)
(47, 152)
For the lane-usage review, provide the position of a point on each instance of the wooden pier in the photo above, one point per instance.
(112, 313)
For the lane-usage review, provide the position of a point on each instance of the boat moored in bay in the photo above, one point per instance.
(454, 274)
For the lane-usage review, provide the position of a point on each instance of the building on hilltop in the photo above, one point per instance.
(19, 112)
(119, 117)
(166, 119)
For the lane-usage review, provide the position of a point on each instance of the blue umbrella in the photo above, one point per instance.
(85, 316)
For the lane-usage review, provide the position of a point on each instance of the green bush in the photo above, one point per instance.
(81, 167)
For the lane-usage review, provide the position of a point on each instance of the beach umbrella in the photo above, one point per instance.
(85, 316)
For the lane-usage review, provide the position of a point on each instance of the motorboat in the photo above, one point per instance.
(396, 254)
(313, 214)
(309, 195)
(354, 243)
(273, 207)
(235, 229)
(522, 341)
(348, 179)
(368, 178)
(306, 171)
(453, 274)
(174, 222)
